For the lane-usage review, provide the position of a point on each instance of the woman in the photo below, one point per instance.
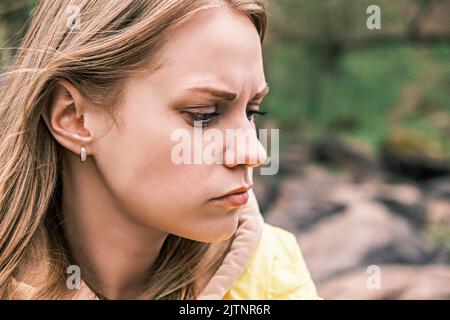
(92, 203)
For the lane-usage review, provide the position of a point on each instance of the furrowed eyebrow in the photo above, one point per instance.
(226, 95)
(215, 92)
(261, 94)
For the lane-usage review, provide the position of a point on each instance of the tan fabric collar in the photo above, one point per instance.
(241, 252)
(246, 239)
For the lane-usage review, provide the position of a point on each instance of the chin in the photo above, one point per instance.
(217, 231)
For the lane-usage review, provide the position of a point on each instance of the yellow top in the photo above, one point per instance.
(276, 271)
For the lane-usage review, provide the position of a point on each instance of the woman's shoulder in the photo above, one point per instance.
(276, 271)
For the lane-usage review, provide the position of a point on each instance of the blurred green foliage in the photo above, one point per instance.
(14, 18)
(330, 74)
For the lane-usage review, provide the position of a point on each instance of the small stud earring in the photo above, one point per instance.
(83, 154)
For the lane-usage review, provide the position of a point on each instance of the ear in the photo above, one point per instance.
(65, 118)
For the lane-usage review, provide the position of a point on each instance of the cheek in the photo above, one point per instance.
(136, 165)
(137, 162)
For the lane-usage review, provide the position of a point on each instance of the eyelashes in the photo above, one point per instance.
(208, 119)
(251, 113)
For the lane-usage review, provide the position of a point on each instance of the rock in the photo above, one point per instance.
(341, 225)
(266, 190)
(412, 155)
(405, 200)
(437, 202)
(438, 211)
(294, 159)
(438, 188)
(351, 156)
(366, 233)
(406, 194)
(302, 201)
(352, 193)
(396, 282)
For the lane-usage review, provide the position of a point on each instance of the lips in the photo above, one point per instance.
(235, 198)
(232, 200)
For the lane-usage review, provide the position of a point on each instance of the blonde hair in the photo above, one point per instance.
(114, 40)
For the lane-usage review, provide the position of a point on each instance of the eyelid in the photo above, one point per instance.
(254, 104)
(200, 109)
(206, 123)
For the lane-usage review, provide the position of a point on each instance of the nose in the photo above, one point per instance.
(242, 147)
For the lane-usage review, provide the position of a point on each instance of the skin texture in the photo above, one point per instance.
(120, 205)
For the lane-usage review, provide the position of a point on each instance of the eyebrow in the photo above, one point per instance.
(227, 95)
(261, 94)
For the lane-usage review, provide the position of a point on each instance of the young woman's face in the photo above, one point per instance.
(217, 49)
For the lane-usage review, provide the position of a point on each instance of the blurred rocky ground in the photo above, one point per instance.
(351, 211)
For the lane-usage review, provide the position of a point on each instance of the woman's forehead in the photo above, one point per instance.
(217, 47)
(215, 38)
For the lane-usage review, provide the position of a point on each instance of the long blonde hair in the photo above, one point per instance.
(115, 39)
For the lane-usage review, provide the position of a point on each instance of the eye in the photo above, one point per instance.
(206, 119)
(251, 114)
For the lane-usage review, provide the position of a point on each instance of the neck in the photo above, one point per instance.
(114, 252)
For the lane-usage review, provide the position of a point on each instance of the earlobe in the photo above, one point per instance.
(65, 118)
